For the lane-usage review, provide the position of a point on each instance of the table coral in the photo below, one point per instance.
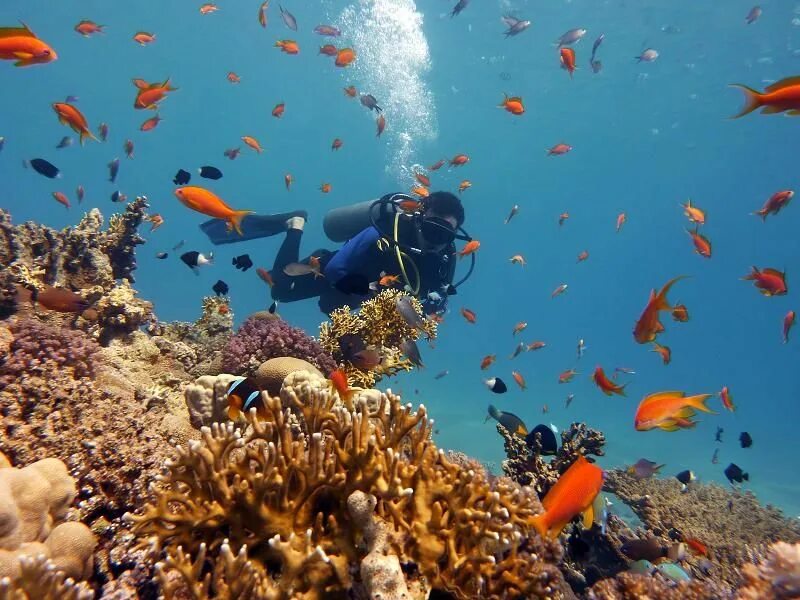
(727, 521)
(258, 340)
(379, 324)
(264, 512)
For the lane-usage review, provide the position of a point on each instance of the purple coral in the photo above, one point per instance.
(38, 346)
(259, 339)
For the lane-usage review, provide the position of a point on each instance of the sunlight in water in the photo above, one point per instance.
(393, 61)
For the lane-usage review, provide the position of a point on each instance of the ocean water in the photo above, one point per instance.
(645, 137)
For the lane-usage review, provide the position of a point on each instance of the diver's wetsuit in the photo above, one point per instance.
(360, 255)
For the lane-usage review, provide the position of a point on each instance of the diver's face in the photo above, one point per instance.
(448, 219)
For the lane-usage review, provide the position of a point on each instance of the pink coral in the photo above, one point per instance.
(260, 339)
(36, 343)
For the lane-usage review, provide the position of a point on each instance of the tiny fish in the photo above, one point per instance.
(273, 308)
(232, 153)
(411, 350)
(597, 43)
(242, 262)
(508, 420)
(734, 473)
(118, 196)
(220, 288)
(514, 211)
(745, 440)
(515, 26)
(496, 385)
(80, 193)
(179, 245)
(521, 347)
(65, 142)
(648, 55)
(461, 5)
(128, 147)
(113, 170)
(753, 15)
(715, 457)
(643, 468)
(43, 167)
(2, 142)
(408, 312)
(102, 131)
(194, 259)
(370, 102)
(208, 172)
(182, 177)
(570, 398)
(559, 290)
(570, 37)
(61, 198)
(328, 30)
(441, 374)
(288, 18)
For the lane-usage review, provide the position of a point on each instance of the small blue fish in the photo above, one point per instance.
(673, 572)
(641, 567)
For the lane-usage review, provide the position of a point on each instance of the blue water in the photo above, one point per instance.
(645, 137)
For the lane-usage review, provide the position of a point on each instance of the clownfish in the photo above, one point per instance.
(243, 394)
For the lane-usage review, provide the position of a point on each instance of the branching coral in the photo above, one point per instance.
(258, 340)
(724, 520)
(39, 579)
(630, 586)
(777, 577)
(265, 512)
(379, 324)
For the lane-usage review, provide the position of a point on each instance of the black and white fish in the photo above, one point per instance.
(43, 167)
(496, 385)
(194, 259)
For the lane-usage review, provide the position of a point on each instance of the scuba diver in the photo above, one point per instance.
(395, 238)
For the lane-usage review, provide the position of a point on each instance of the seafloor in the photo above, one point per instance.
(121, 475)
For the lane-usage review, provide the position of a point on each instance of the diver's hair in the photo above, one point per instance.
(445, 204)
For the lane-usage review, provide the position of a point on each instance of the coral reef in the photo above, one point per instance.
(258, 340)
(83, 258)
(379, 324)
(33, 504)
(630, 586)
(776, 577)
(727, 521)
(265, 512)
(271, 374)
(39, 579)
(206, 399)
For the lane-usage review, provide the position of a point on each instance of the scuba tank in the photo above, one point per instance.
(341, 224)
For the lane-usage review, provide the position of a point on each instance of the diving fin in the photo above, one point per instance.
(253, 227)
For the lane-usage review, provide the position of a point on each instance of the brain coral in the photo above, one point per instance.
(258, 340)
(265, 513)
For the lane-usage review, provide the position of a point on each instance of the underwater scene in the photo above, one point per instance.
(399, 299)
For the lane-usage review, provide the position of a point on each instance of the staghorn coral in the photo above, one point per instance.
(33, 504)
(83, 258)
(776, 577)
(38, 347)
(264, 513)
(258, 340)
(727, 521)
(39, 579)
(381, 326)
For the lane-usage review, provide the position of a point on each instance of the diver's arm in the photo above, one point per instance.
(356, 254)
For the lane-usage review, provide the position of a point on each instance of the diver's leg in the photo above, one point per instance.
(287, 288)
(253, 227)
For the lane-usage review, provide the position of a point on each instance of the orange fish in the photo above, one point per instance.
(566, 376)
(559, 149)
(380, 125)
(234, 78)
(328, 50)
(337, 143)
(775, 203)
(669, 411)
(470, 247)
(696, 546)
(727, 400)
(535, 346)
(568, 60)
(488, 361)
(574, 493)
(621, 218)
(265, 276)
(464, 185)
(55, 298)
(87, 28)
(208, 203)
(458, 160)
(519, 379)
(583, 256)
(518, 259)
(151, 123)
(150, 94)
(338, 379)
(770, 282)
(702, 245)
(519, 327)
(663, 351)
(69, 115)
(562, 218)
(513, 104)
(253, 143)
(648, 326)
(143, 38)
(325, 188)
(469, 315)
(781, 96)
(410, 205)
(287, 180)
(22, 45)
(437, 165)
(694, 214)
(788, 323)
(607, 386)
(288, 46)
(387, 280)
(421, 191)
(277, 112)
(262, 13)
(423, 179)
(156, 221)
(680, 313)
(344, 57)
(559, 290)
(351, 91)
(209, 8)
(62, 198)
